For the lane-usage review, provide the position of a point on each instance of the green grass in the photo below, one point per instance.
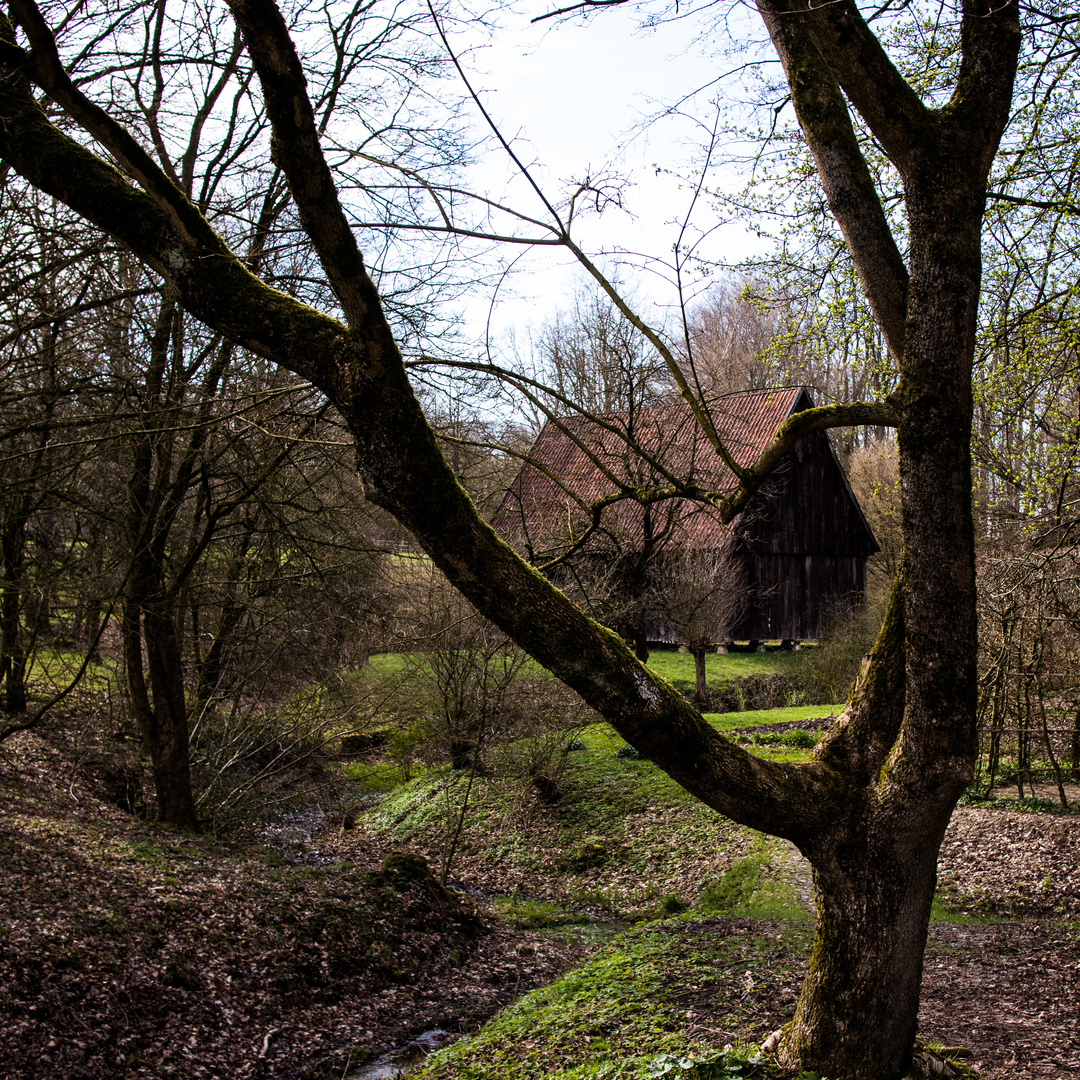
(720, 669)
(57, 667)
(943, 912)
(756, 717)
(755, 887)
(616, 839)
(535, 914)
(639, 997)
(676, 667)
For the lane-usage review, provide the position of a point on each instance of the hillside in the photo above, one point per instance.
(132, 951)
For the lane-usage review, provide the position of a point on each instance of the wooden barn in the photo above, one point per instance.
(801, 544)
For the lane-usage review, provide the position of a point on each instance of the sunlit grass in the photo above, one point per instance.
(756, 717)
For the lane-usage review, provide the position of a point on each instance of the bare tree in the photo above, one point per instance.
(736, 341)
(874, 472)
(698, 597)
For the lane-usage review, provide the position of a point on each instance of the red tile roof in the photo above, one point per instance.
(578, 460)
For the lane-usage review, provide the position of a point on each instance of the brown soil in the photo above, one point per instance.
(127, 950)
(1010, 993)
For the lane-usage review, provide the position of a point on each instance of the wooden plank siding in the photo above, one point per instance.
(803, 543)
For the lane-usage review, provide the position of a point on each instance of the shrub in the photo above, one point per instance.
(759, 691)
(828, 671)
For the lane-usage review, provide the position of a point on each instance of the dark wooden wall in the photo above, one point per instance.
(803, 544)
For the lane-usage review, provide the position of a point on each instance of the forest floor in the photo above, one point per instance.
(128, 950)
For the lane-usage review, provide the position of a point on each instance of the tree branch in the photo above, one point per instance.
(404, 472)
(576, 7)
(296, 151)
(859, 64)
(43, 65)
(1016, 200)
(849, 187)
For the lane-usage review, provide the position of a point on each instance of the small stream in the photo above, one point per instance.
(291, 833)
(404, 1061)
(590, 934)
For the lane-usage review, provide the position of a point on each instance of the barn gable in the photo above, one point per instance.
(803, 541)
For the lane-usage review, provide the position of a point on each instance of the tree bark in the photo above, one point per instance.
(12, 653)
(701, 692)
(874, 882)
(149, 613)
(159, 708)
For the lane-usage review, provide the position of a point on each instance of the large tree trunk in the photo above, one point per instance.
(875, 869)
(874, 882)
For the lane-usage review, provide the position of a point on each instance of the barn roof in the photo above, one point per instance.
(578, 460)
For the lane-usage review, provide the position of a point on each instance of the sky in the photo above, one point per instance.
(573, 96)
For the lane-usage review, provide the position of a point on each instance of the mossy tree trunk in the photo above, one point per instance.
(870, 809)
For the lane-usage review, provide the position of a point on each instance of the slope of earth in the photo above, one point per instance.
(130, 951)
(615, 836)
(1001, 966)
(127, 950)
(1008, 991)
(693, 986)
(1009, 863)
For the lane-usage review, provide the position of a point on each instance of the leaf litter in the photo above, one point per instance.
(128, 950)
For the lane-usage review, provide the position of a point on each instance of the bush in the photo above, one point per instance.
(803, 740)
(828, 671)
(759, 691)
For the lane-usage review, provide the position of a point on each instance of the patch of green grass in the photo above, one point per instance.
(535, 914)
(780, 753)
(1027, 804)
(379, 778)
(755, 887)
(673, 904)
(57, 667)
(678, 667)
(943, 912)
(145, 851)
(635, 818)
(636, 999)
(798, 739)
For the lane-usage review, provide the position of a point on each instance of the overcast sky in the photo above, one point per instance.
(573, 97)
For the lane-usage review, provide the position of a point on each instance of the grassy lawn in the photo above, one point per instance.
(678, 666)
(620, 836)
(755, 717)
